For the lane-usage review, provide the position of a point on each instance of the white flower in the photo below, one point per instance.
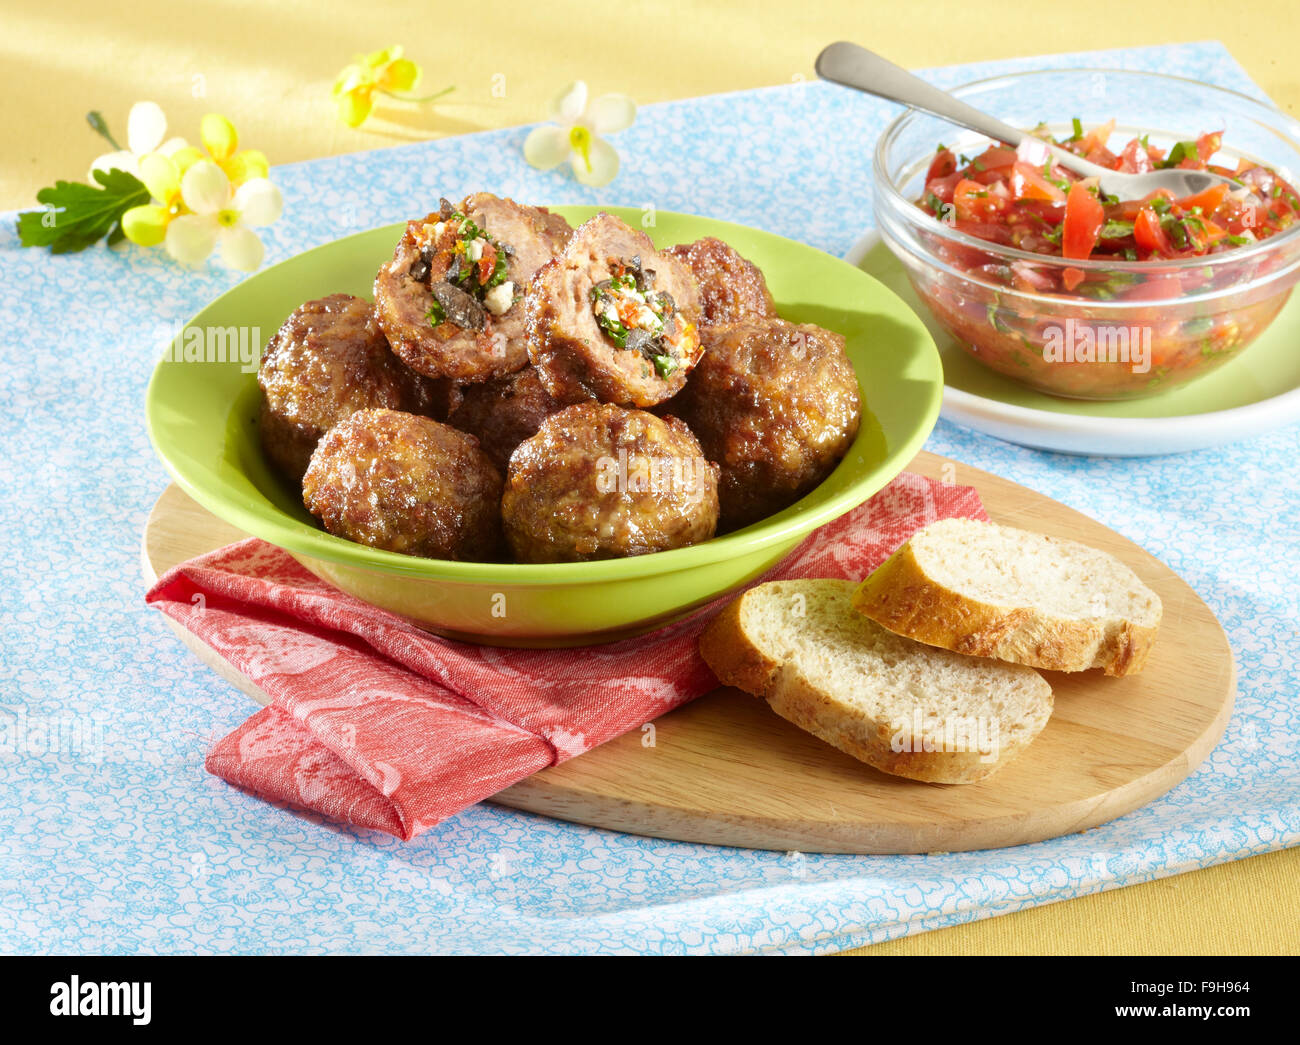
(576, 135)
(145, 128)
(221, 218)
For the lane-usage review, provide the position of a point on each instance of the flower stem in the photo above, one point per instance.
(98, 125)
(418, 101)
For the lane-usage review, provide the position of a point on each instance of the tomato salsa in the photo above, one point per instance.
(1021, 199)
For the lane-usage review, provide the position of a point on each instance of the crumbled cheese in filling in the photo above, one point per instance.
(499, 299)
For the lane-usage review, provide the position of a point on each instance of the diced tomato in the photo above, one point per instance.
(942, 187)
(994, 232)
(995, 158)
(1028, 183)
(1208, 144)
(486, 263)
(974, 202)
(1102, 158)
(1149, 235)
(1154, 288)
(943, 164)
(1209, 200)
(1135, 159)
(1072, 277)
(1097, 138)
(1084, 217)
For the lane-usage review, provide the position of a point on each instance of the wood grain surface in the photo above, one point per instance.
(725, 770)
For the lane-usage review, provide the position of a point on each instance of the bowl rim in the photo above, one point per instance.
(786, 526)
(885, 185)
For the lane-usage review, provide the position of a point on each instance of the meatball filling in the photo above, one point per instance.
(638, 318)
(464, 268)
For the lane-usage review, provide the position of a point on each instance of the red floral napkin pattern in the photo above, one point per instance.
(381, 725)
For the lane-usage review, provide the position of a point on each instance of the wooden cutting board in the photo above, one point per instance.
(726, 770)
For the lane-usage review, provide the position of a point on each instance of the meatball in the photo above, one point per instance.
(731, 287)
(599, 481)
(775, 405)
(503, 412)
(326, 361)
(450, 301)
(406, 484)
(610, 319)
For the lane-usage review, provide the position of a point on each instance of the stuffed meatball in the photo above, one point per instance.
(450, 301)
(599, 481)
(327, 361)
(406, 484)
(775, 405)
(503, 412)
(731, 287)
(611, 319)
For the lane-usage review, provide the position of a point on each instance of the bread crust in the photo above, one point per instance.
(902, 597)
(738, 662)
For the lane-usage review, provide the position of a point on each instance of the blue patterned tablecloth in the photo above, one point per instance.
(113, 838)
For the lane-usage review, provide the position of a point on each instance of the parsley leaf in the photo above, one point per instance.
(77, 216)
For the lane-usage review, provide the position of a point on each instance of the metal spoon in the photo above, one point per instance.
(853, 66)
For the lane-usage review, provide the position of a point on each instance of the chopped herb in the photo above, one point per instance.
(1239, 241)
(1116, 230)
(995, 321)
(1181, 151)
(1078, 129)
(665, 365)
(436, 313)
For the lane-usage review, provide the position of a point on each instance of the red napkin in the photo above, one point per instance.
(382, 725)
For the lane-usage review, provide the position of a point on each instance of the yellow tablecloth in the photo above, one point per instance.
(269, 66)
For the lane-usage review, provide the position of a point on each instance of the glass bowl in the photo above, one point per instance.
(1131, 328)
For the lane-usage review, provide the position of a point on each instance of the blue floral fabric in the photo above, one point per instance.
(112, 836)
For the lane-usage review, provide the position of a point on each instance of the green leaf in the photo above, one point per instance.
(77, 216)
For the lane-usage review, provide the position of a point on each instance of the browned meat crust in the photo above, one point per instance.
(577, 359)
(776, 406)
(600, 482)
(406, 484)
(731, 287)
(503, 412)
(402, 302)
(328, 360)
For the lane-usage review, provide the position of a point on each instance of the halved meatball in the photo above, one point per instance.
(406, 484)
(503, 412)
(599, 481)
(611, 319)
(328, 360)
(775, 405)
(450, 301)
(731, 287)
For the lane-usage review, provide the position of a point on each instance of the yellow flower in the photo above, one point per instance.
(221, 146)
(384, 71)
(147, 224)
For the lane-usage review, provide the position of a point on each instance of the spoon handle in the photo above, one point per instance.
(853, 66)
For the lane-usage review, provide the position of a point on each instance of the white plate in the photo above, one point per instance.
(1083, 432)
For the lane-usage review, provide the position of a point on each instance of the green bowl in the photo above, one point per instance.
(202, 418)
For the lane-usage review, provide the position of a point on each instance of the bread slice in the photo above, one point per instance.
(898, 705)
(995, 591)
